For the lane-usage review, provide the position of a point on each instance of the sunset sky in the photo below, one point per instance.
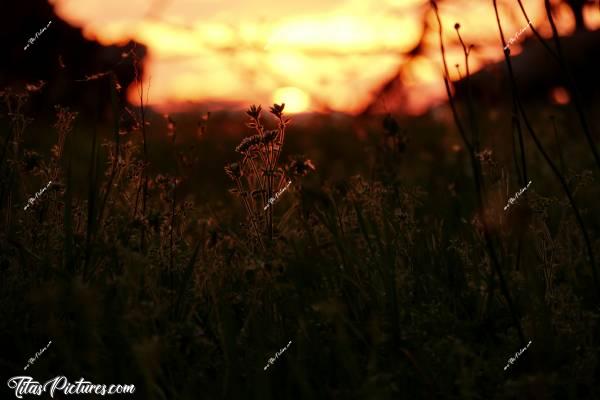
(312, 54)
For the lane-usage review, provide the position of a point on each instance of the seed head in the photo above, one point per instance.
(233, 170)
(277, 110)
(254, 112)
(247, 143)
(301, 167)
(269, 136)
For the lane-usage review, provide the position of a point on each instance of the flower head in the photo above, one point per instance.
(247, 143)
(301, 167)
(254, 111)
(32, 87)
(277, 109)
(32, 160)
(485, 155)
(269, 136)
(233, 170)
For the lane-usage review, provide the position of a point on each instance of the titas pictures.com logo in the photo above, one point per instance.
(24, 385)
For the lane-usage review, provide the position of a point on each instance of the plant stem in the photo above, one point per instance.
(476, 175)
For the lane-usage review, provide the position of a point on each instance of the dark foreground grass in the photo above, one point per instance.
(385, 290)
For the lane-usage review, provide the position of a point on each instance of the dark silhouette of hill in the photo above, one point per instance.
(537, 72)
(61, 57)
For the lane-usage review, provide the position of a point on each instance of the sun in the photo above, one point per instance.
(296, 100)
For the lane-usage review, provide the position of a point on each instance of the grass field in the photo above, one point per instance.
(389, 263)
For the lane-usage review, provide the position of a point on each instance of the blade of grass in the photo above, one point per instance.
(68, 223)
(92, 195)
(115, 166)
(186, 281)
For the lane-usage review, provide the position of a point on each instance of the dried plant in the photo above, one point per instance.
(257, 176)
(63, 125)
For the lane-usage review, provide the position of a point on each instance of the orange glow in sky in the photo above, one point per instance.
(310, 54)
(295, 99)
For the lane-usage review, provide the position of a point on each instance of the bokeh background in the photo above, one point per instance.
(315, 56)
(391, 262)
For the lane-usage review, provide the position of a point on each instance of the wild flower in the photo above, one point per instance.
(269, 136)
(248, 143)
(277, 109)
(257, 176)
(32, 87)
(64, 125)
(32, 160)
(301, 167)
(254, 111)
(234, 171)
